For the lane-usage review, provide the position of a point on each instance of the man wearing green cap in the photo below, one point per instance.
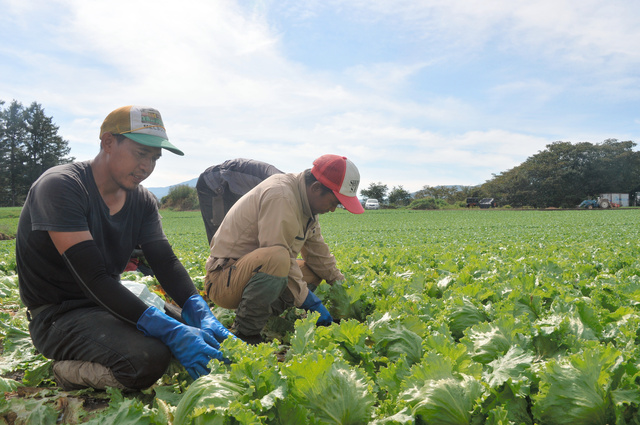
(78, 227)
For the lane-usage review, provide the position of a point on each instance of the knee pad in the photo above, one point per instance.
(263, 288)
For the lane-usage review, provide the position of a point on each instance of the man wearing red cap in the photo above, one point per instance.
(253, 266)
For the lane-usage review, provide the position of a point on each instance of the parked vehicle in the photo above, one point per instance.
(597, 203)
(472, 202)
(487, 203)
(372, 204)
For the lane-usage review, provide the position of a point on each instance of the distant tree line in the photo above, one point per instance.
(562, 175)
(181, 198)
(427, 198)
(29, 145)
(565, 174)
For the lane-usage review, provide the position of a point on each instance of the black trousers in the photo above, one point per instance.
(214, 205)
(82, 330)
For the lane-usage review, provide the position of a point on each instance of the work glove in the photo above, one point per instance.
(196, 313)
(191, 346)
(313, 303)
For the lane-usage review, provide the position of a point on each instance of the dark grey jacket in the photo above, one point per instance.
(220, 186)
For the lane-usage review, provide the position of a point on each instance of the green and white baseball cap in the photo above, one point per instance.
(141, 124)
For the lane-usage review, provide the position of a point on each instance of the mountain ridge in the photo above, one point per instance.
(161, 192)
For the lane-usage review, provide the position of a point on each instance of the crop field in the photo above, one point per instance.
(445, 317)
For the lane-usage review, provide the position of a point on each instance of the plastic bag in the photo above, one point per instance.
(141, 291)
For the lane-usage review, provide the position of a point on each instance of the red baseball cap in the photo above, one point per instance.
(342, 177)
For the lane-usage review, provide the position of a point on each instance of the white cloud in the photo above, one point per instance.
(220, 75)
(587, 31)
(536, 91)
(384, 76)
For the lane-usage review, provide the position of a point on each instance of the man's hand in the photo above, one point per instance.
(313, 303)
(192, 347)
(196, 313)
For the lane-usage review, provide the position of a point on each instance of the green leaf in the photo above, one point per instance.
(348, 302)
(393, 340)
(505, 400)
(576, 391)
(403, 417)
(498, 416)
(487, 341)
(458, 354)
(351, 339)
(433, 366)
(208, 397)
(8, 385)
(444, 401)
(390, 378)
(255, 368)
(289, 412)
(243, 414)
(169, 394)
(626, 397)
(19, 351)
(33, 411)
(462, 315)
(514, 366)
(38, 372)
(302, 340)
(333, 392)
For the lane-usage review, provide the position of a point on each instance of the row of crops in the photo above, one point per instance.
(446, 317)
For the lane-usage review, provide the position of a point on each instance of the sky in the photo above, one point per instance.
(414, 92)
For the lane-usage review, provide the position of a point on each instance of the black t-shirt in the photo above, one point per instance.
(66, 199)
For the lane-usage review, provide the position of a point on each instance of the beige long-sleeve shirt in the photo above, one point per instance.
(276, 213)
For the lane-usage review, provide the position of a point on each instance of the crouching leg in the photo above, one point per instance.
(92, 348)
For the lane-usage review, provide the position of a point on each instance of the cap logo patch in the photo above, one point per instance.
(353, 185)
(150, 117)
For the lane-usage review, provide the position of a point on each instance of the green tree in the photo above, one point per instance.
(29, 145)
(181, 198)
(564, 174)
(13, 133)
(465, 192)
(399, 196)
(449, 194)
(44, 148)
(375, 191)
(427, 203)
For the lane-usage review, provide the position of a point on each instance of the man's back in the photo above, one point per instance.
(220, 186)
(275, 212)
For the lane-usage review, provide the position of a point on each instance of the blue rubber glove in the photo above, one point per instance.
(191, 346)
(313, 303)
(196, 313)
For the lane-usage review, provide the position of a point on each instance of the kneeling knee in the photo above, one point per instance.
(279, 262)
(146, 368)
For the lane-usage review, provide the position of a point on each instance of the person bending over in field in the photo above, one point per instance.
(79, 225)
(253, 266)
(220, 186)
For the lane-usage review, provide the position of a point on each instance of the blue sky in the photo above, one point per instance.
(414, 92)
